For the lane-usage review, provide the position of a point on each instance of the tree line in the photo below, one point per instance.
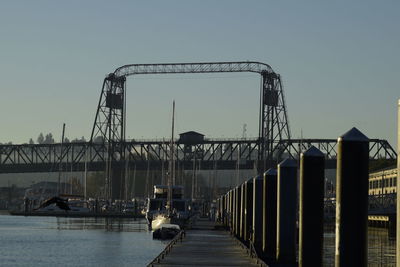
(49, 139)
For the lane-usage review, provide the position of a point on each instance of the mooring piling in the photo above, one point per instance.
(269, 213)
(257, 213)
(311, 207)
(352, 199)
(286, 212)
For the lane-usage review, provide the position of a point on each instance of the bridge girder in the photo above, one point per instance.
(223, 153)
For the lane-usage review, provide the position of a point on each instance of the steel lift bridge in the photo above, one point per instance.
(109, 126)
(109, 151)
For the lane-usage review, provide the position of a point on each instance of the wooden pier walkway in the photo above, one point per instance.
(205, 246)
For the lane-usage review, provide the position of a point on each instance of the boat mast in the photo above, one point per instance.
(60, 162)
(85, 176)
(171, 176)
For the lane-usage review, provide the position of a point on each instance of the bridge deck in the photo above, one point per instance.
(204, 246)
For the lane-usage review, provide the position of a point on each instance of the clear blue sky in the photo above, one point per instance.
(339, 61)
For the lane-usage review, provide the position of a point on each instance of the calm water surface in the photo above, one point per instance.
(51, 241)
(381, 247)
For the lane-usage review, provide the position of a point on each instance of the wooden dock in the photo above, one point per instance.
(205, 246)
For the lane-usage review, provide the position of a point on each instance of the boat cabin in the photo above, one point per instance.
(161, 191)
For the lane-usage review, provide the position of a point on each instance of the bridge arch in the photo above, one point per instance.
(110, 120)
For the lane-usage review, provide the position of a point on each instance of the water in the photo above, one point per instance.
(381, 247)
(56, 241)
(52, 241)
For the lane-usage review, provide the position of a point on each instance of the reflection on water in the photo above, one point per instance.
(52, 241)
(108, 224)
(56, 241)
(381, 247)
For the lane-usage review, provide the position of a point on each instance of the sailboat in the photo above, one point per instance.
(167, 208)
(63, 202)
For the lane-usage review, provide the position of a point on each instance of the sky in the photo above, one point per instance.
(339, 62)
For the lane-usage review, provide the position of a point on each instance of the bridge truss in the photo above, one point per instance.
(224, 154)
(109, 125)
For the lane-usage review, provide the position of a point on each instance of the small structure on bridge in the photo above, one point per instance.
(191, 138)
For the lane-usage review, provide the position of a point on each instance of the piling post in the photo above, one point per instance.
(248, 210)
(286, 212)
(311, 215)
(231, 210)
(223, 202)
(398, 189)
(237, 211)
(228, 209)
(234, 211)
(223, 210)
(216, 216)
(219, 210)
(242, 210)
(269, 213)
(257, 213)
(352, 199)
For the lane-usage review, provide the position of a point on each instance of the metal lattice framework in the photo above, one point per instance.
(207, 67)
(109, 125)
(220, 153)
(109, 122)
(273, 123)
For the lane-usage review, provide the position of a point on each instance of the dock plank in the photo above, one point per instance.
(204, 246)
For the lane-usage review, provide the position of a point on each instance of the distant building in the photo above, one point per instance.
(383, 181)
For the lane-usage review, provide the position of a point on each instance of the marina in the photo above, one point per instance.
(209, 133)
(36, 236)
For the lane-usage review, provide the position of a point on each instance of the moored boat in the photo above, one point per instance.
(166, 231)
(157, 211)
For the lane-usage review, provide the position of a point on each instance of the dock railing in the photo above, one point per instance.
(251, 251)
(168, 248)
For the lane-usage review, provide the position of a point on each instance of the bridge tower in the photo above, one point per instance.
(273, 124)
(109, 129)
(109, 125)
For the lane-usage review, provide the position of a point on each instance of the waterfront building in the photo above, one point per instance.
(383, 181)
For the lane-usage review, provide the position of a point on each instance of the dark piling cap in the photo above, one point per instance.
(313, 152)
(353, 135)
(258, 177)
(288, 163)
(271, 172)
(250, 181)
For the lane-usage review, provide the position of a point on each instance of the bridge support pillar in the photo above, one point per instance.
(352, 199)
(311, 217)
